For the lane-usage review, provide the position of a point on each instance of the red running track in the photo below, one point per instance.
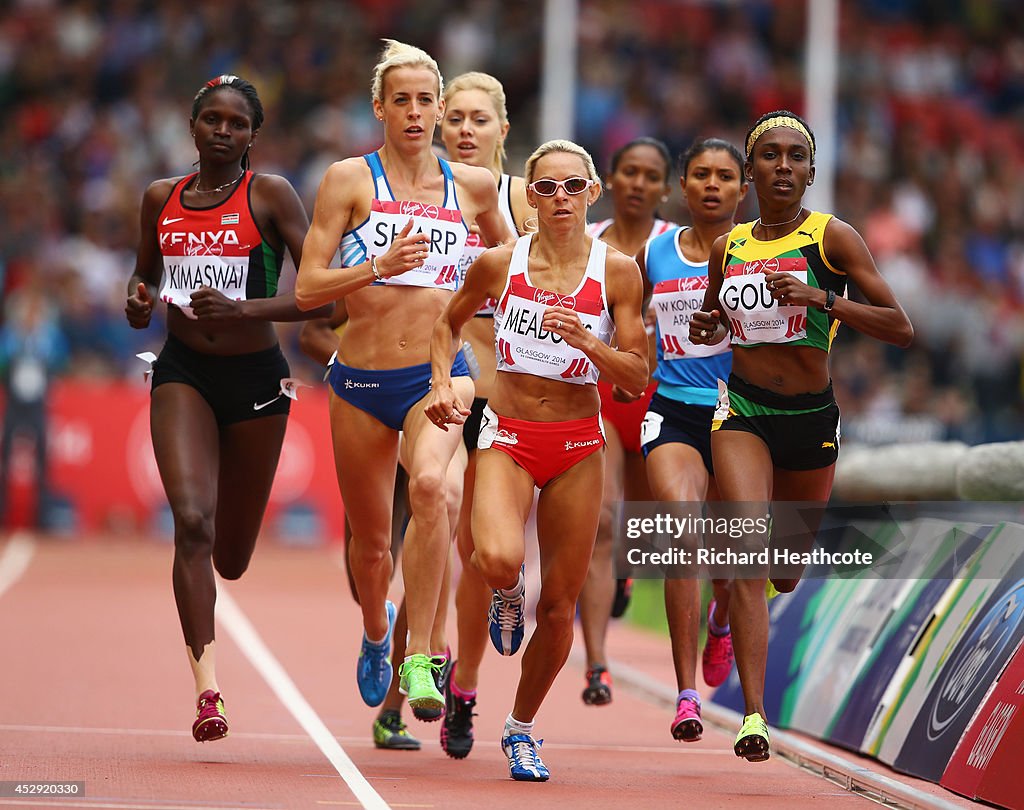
(96, 688)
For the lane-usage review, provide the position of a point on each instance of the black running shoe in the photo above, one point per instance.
(599, 687)
(389, 731)
(457, 731)
(623, 592)
(442, 676)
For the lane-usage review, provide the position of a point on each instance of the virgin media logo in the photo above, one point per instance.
(548, 298)
(415, 209)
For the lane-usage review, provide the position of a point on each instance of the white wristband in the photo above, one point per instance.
(373, 267)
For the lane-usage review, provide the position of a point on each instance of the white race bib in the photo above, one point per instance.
(754, 315)
(674, 302)
(184, 275)
(650, 428)
(722, 403)
(527, 348)
(443, 226)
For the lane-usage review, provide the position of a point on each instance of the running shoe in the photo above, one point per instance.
(524, 763)
(507, 622)
(687, 725)
(770, 591)
(623, 593)
(752, 740)
(716, 661)
(441, 676)
(444, 674)
(211, 721)
(373, 668)
(389, 731)
(599, 687)
(416, 680)
(457, 731)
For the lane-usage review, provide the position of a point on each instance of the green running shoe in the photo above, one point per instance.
(417, 682)
(752, 741)
(389, 731)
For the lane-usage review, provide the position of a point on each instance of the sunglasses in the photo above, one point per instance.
(571, 185)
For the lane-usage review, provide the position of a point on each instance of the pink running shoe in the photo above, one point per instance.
(716, 662)
(211, 722)
(687, 725)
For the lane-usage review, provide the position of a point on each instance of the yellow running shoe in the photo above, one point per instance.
(390, 732)
(416, 676)
(752, 741)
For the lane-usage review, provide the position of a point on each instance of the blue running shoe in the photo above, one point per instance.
(507, 620)
(507, 623)
(373, 669)
(524, 763)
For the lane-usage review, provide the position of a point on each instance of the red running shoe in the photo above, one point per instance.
(211, 721)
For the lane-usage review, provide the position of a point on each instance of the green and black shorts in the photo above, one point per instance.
(801, 431)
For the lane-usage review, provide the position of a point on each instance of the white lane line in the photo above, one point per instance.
(15, 559)
(245, 636)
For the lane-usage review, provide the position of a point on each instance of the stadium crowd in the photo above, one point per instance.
(930, 156)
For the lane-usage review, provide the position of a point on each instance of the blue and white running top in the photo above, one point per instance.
(686, 372)
(444, 225)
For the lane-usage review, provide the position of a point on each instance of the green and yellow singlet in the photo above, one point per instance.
(754, 316)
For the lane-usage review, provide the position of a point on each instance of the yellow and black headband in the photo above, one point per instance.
(779, 121)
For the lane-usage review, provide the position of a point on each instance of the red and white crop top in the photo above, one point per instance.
(522, 346)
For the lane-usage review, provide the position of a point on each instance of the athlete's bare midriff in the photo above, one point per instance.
(221, 337)
(787, 370)
(525, 396)
(390, 327)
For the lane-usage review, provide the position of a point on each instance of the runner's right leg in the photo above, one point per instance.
(366, 459)
(472, 599)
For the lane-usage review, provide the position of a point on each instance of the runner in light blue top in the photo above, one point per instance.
(676, 432)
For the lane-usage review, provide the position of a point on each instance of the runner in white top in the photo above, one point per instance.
(378, 352)
(473, 130)
(524, 346)
(545, 428)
